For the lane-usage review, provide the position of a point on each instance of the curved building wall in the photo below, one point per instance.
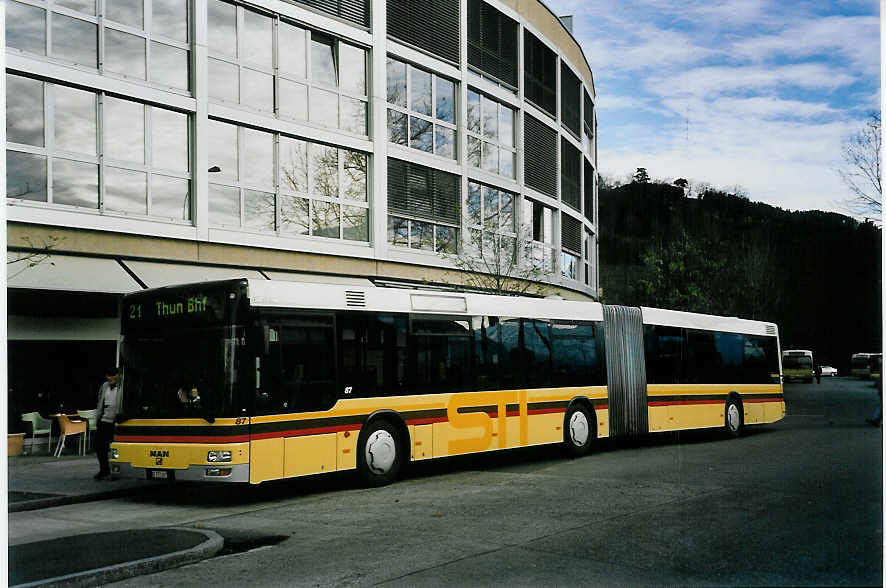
(370, 139)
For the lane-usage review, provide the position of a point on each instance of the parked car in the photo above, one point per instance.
(827, 370)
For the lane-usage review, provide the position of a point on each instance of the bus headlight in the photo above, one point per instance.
(114, 453)
(217, 456)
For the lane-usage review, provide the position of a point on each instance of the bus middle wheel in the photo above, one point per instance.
(379, 453)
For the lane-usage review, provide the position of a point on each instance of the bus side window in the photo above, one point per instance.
(664, 354)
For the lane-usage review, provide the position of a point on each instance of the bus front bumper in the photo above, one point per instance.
(193, 473)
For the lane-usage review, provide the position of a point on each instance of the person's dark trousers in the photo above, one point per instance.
(104, 434)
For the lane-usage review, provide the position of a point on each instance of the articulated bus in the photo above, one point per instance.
(864, 365)
(797, 365)
(255, 380)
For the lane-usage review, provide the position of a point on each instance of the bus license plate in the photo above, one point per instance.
(159, 474)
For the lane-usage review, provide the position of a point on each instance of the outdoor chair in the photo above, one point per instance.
(69, 427)
(39, 426)
(91, 418)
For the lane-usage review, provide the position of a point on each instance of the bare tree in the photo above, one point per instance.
(500, 263)
(861, 171)
(37, 255)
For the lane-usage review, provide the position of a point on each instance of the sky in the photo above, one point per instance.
(754, 94)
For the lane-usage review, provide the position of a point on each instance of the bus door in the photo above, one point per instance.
(296, 374)
(625, 370)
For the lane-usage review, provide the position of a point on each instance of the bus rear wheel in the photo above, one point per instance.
(734, 418)
(578, 430)
(379, 454)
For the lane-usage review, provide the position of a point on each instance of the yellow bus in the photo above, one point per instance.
(864, 365)
(798, 365)
(256, 380)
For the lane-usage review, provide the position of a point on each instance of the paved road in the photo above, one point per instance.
(797, 502)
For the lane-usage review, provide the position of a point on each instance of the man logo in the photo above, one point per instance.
(159, 453)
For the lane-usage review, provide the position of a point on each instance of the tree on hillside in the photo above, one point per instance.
(861, 171)
(641, 176)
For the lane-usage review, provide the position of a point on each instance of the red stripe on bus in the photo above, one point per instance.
(180, 439)
(303, 432)
(684, 402)
(427, 421)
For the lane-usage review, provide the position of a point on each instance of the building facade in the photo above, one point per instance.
(152, 142)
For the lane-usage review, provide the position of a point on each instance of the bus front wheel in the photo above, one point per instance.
(734, 417)
(578, 430)
(379, 454)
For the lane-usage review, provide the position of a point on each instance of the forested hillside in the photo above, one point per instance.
(816, 274)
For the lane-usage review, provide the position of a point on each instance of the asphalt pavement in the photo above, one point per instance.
(40, 482)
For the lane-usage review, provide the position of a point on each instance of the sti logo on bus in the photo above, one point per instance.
(502, 400)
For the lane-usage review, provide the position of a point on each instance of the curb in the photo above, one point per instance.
(149, 565)
(64, 499)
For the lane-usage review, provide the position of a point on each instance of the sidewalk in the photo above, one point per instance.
(42, 481)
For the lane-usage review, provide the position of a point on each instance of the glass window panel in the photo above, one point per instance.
(291, 50)
(445, 100)
(170, 18)
(223, 149)
(490, 157)
(325, 219)
(74, 120)
(398, 231)
(444, 141)
(421, 133)
(128, 12)
(355, 223)
(396, 82)
(124, 53)
(124, 130)
(24, 110)
(353, 69)
(258, 161)
(420, 89)
(74, 39)
(222, 20)
(224, 205)
(323, 61)
(506, 130)
(422, 236)
(25, 176)
(474, 207)
(294, 215)
(324, 108)
(353, 115)
(473, 112)
(447, 240)
(354, 176)
(324, 170)
(507, 162)
(490, 208)
(87, 6)
(169, 139)
(170, 66)
(293, 100)
(293, 165)
(125, 191)
(258, 37)
(74, 183)
(257, 89)
(170, 198)
(26, 28)
(474, 148)
(507, 211)
(224, 81)
(397, 127)
(259, 210)
(489, 108)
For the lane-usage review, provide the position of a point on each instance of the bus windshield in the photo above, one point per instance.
(181, 373)
(796, 362)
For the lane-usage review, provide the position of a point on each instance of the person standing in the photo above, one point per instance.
(818, 373)
(108, 405)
